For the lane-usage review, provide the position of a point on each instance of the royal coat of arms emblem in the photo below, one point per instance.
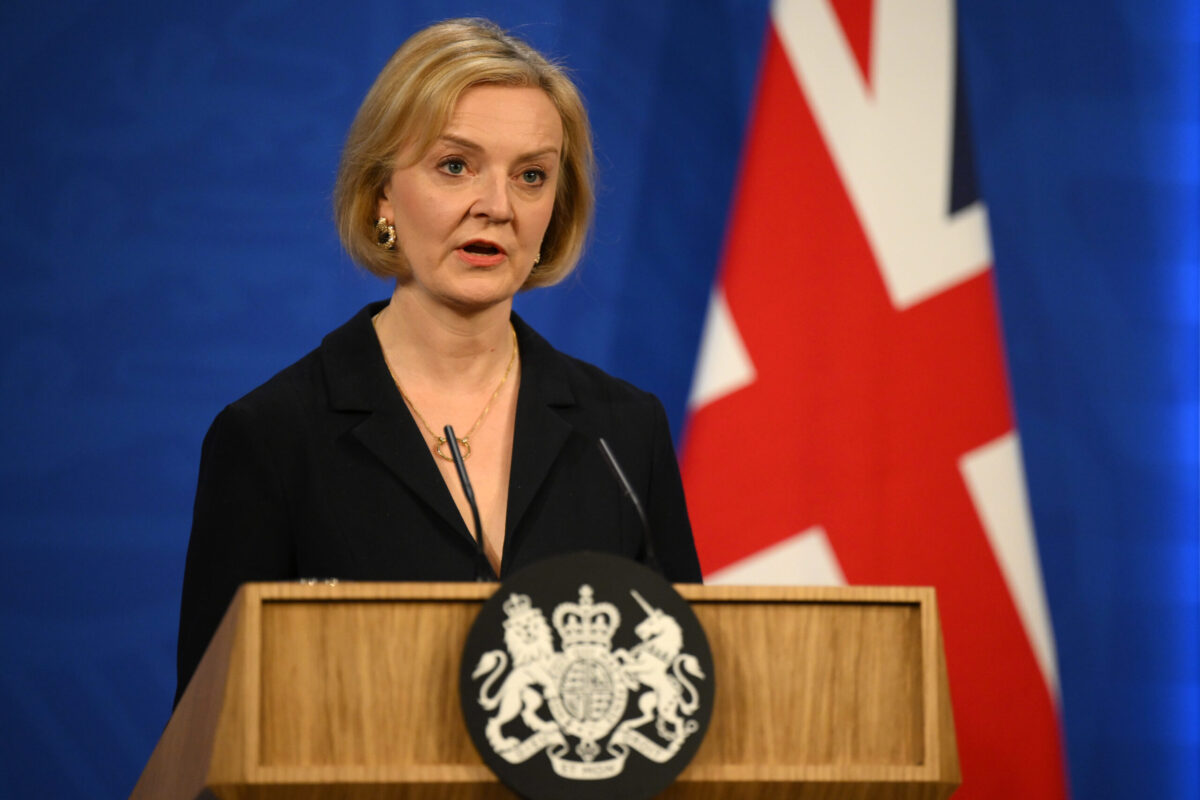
(574, 701)
(586, 676)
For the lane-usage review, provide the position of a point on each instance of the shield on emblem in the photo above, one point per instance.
(587, 691)
(591, 696)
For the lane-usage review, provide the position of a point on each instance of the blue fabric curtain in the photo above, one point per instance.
(1085, 116)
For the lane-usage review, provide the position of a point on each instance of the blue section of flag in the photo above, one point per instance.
(165, 217)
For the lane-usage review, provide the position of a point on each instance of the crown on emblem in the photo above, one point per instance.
(517, 605)
(586, 622)
(520, 611)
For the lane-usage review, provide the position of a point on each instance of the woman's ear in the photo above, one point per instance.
(384, 206)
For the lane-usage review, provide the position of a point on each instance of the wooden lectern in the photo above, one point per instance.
(350, 691)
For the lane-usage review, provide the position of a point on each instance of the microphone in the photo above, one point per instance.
(480, 558)
(619, 474)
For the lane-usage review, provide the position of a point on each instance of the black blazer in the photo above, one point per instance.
(322, 472)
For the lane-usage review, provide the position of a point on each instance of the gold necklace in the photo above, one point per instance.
(465, 440)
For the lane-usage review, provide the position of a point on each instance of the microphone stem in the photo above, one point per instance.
(461, 467)
(618, 473)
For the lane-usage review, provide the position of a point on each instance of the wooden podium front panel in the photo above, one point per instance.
(816, 684)
(824, 693)
(363, 683)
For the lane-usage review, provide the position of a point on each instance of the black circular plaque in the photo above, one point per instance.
(586, 676)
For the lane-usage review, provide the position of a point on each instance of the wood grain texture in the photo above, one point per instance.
(329, 668)
(351, 691)
(812, 683)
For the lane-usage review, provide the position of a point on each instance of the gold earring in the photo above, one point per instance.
(538, 258)
(385, 234)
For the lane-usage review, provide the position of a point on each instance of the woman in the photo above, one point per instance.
(466, 177)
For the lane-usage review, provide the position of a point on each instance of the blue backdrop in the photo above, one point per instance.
(164, 216)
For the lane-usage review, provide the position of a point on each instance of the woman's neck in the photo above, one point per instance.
(435, 345)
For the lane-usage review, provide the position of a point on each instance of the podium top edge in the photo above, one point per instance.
(478, 592)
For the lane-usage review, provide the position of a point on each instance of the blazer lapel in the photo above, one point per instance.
(540, 431)
(359, 381)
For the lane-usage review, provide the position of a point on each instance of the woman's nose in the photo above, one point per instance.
(493, 200)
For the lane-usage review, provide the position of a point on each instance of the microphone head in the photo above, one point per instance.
(459, 464)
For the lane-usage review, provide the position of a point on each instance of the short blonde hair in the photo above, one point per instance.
(409, 105)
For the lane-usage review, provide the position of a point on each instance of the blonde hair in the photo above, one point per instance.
(409, 105)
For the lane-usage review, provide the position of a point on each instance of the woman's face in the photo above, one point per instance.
(471, 212)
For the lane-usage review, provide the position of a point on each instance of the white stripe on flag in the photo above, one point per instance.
(723, 365)
(996, 481)
(806, 559)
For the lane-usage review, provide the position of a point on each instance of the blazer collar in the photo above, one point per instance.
(358, 380)
(356, 376)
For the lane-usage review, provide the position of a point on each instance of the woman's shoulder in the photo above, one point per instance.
(271, 413)
(582, 379)
(314, 383)
(588, 397)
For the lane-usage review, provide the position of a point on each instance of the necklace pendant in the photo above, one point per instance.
(464, 447)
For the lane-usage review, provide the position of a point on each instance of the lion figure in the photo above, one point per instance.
(529, 641)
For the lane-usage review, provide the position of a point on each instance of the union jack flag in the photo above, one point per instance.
(850, 418)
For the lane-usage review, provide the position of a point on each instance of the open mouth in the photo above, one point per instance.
(482, 249)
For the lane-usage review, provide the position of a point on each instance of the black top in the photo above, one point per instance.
(322, 472)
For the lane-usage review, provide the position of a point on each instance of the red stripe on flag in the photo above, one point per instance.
(856, 422)
(855, 17)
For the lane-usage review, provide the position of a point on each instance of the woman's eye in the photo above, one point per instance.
(454, 166)
(533, 177)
